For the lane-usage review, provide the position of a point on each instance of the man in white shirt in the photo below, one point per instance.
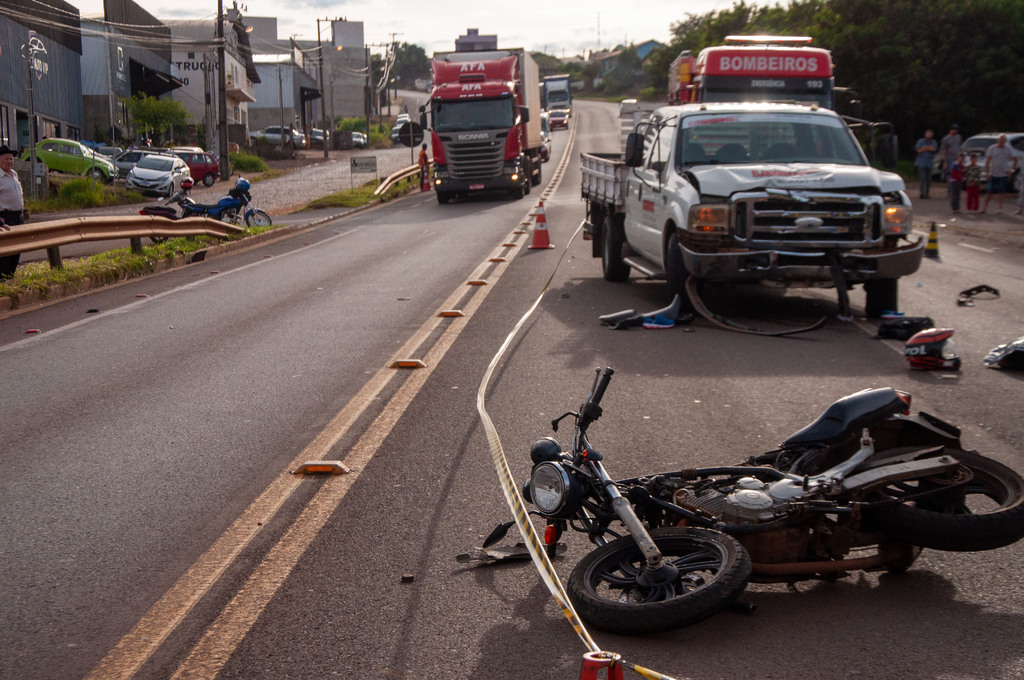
(1000, 164)
(12, 203)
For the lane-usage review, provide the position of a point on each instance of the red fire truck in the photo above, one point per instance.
(755, 68)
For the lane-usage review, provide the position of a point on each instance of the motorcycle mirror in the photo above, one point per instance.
(497, 534)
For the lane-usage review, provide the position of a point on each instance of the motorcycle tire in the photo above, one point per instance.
(713, 571)
(257, 218)
(984, 514)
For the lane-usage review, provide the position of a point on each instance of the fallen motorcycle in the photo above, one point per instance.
(865, 486)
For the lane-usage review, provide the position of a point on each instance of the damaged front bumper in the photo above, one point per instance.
(812, 266)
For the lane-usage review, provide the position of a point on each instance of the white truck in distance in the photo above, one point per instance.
(750, 192)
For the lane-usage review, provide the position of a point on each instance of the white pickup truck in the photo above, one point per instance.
(750, 193)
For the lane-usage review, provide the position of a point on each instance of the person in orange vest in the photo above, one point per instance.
(424, 163)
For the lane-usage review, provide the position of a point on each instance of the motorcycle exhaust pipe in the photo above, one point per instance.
(886, 556)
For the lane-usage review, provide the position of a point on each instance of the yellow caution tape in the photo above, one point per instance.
(515, 499)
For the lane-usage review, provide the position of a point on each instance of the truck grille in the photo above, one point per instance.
(806, 219)
(478, 159)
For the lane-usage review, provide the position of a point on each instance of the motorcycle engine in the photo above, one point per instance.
(751, 501)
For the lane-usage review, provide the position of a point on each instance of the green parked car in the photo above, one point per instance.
(67, 155)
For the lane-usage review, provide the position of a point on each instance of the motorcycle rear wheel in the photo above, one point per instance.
(985, 513)
(713, 571)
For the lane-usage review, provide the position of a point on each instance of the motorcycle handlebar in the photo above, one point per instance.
(602, 385)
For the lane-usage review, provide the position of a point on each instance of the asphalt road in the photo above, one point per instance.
(146, 435)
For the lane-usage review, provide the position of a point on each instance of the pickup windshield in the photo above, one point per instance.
(765, 138)
(473, 114)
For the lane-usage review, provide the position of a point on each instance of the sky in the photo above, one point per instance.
(559, 27)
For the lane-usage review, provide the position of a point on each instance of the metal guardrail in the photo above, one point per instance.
(396, 177)
(51, 235)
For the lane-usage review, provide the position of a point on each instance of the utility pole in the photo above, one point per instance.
(29, 52)
(222, 95)
(323, 94)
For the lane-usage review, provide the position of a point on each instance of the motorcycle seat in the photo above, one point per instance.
(207, 207)
(848, 416)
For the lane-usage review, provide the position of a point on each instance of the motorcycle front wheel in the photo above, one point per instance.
(611, 592)
(257, 218)
(984, 513)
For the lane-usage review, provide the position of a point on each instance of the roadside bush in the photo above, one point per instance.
(245, 162)
(83, 192)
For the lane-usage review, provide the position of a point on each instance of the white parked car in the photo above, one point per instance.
(1015, 140)
(158, 174)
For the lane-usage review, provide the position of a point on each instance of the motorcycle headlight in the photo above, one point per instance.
(552, 489)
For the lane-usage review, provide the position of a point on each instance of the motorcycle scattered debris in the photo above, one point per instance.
(511, 553)
(666, 317)
(966, 297)
(903, 328)
(1009, 356)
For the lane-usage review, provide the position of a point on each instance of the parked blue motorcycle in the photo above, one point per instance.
(233, 207)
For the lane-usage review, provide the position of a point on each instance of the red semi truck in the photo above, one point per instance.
(484, 120)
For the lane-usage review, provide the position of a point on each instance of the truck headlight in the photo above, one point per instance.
(708, 218)
(897, 220)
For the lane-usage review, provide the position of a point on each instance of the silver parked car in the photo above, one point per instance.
(272, 135)
(158, 174)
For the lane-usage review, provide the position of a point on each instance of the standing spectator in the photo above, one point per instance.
(973, 175)
(954, 180)
(424, 164)
(1000, 163)
(949, 149)
(12, 203)
(926, 148)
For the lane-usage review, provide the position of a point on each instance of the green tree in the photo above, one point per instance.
(411, 63)
(917, 65)
(149, 114)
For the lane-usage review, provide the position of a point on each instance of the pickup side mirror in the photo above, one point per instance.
(634, 150)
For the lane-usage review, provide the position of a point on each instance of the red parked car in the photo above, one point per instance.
(202, 165)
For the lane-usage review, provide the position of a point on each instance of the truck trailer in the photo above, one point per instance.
(484, 122)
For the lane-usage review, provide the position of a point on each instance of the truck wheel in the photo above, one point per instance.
(612, 240)
(535, 178)
(881, 295)
(443, 197)
(517, 193)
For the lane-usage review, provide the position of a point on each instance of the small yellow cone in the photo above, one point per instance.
(932, 249)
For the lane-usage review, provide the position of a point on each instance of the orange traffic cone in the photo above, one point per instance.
(426, 182)
(594, 661)
(931, 249)
(540, 230)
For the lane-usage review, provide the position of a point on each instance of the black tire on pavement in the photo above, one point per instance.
(613, 239)
(985, 513)
(881, 295)
(208, 179)
(676, 273)
(443, 197)
(713, 570)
